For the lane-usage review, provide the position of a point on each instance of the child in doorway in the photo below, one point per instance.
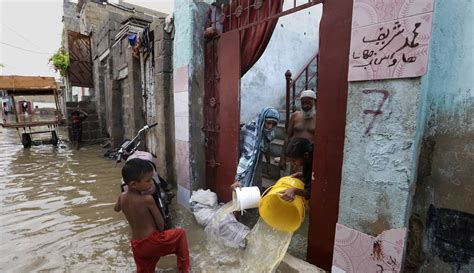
(149, 240)
(299, 151)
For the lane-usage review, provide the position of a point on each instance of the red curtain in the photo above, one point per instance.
(253, 40)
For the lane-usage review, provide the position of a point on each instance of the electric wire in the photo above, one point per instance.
(21, 36)
(32, 51)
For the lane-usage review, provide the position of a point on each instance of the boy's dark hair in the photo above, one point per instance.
(297, 147)
(135, 169)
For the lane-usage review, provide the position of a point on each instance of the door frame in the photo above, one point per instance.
(334, 44)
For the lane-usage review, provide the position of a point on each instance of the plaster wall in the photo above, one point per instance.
(450, 98)
(293, 42)
(379, 155)
(445, 179)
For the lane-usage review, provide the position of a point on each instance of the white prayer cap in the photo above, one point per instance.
(308, 94)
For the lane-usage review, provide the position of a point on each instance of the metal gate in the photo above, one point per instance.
(222, 93)
(222, 112)
(222, 108)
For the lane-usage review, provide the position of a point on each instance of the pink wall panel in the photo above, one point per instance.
(356, 252)
(390, 39)
(180, 79)
(371, 12)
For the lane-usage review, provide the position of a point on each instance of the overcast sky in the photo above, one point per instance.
(30, 32)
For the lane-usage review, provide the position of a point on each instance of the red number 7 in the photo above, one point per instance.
(378, 111)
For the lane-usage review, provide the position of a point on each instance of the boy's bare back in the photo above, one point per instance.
(141, 212)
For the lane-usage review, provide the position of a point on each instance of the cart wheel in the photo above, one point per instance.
(26, 140)
(54, 138)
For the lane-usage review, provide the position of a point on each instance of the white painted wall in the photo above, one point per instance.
(293, 43)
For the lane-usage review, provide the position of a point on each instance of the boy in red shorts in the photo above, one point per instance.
(149, 240)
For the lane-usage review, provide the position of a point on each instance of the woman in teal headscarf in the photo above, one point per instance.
(255, 138)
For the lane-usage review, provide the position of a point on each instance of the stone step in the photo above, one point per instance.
(276, 147)
(272, 166)
(291, 264)
(282, 115)
(275, 171)
(280, 131)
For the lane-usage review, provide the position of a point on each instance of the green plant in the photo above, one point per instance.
(60, 61)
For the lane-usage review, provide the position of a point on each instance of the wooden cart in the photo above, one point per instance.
(26, 125)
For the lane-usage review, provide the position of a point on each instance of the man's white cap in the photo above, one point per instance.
(308, 94)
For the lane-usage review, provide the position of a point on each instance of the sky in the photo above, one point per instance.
(30, 33)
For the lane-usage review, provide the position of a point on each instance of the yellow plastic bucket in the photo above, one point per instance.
(278, 213)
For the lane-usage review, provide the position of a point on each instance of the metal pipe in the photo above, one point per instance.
(288, 86)
(306, 78)
(294, 97)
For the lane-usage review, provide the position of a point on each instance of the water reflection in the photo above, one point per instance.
(56, 214)
(56, 209)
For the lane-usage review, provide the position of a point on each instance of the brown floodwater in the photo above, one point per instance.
(56, 211)
(56, 215)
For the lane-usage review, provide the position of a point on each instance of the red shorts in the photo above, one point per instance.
(147, 252)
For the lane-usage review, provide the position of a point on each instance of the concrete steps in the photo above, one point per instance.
(280, 131)
(276, 148)
(291, 264)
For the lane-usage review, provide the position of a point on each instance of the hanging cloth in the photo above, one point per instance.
(253, 40)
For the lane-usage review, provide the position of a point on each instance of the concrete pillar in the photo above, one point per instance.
(380, 154)
(116, 126)
(188, 85)
(164, 151)
(132, 102)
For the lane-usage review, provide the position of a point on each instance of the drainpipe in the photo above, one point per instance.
(144, 96)
(142, 76)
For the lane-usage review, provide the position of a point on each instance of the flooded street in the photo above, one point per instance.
(56, 210)
(56, 215)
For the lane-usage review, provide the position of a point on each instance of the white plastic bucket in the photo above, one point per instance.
(246, 197)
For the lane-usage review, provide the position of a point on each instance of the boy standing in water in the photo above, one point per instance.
(149, 240)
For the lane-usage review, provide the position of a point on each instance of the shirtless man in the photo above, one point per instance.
(302, 123)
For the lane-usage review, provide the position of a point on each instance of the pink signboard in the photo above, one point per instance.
(390, 39)
(356, 252)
